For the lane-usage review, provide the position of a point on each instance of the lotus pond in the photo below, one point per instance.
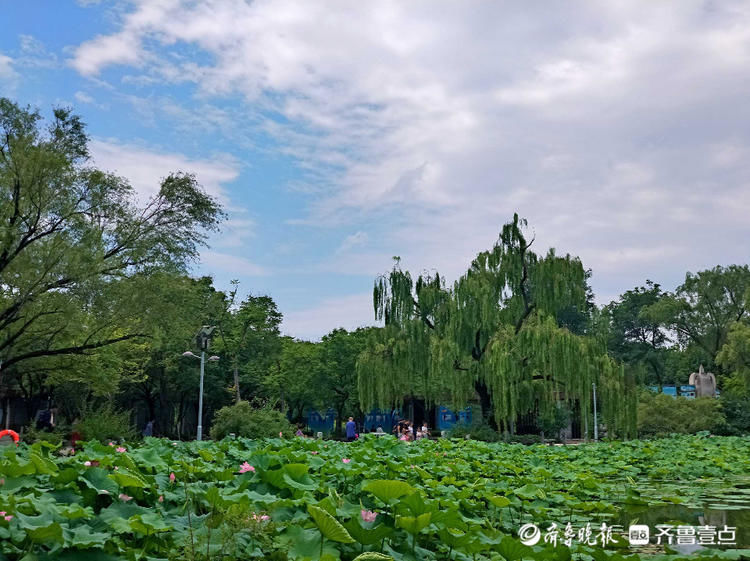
(376, 498)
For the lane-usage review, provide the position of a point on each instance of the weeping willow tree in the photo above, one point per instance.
(502, 333)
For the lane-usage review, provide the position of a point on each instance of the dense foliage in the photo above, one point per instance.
(242, 419)
(513, 330)
(661, 415)
(97, 307)
(305, 499)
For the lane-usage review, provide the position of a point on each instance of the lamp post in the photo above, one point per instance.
(203, 339)
(596, 420)
(202, 358)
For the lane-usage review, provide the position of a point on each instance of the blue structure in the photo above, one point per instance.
(686, 391)
(382, 418)
(446, 418)
(320, 423)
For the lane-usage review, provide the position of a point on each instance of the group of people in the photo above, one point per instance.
(404, 430)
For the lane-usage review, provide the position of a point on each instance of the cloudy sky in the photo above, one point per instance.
(340, 133)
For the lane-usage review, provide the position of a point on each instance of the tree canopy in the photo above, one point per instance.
(76, 245)
(701, 311)
(496, 333)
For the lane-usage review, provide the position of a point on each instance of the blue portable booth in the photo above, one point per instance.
(386, 419)
(446, 418)
(321, 423)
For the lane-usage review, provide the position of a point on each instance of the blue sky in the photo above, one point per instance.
(340, 134)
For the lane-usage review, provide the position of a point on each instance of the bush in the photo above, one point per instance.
(242, 419)
(477, 431)
(660, 415)
(737, 411)
(105, 423)
(554, 421)
(526, 439)
(31, 434)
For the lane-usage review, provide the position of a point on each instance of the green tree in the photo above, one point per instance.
(634, 338)
(734, 357)
(703, 308)
(495, 334)
(78, 252)
(249, 331)
(338, 379)
(75, 243)
(163, 380)
(296, 375)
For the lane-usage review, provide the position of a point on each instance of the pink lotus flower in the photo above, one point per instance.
(161, 498)
(2, 481)
(368, 515)
(116, 468)
(314, 452)
(3, 513)
(346, 460)
(245, 467)
(265, 517)
(9, 518)
(281, 434)
(124, 497)
(172, 477)
(174, 444)
(87, 463)
(121, 449)
(111, 444)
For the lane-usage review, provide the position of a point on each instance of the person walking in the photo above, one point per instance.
(351, 430)
(149, 429)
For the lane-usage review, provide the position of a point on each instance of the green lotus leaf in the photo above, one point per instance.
(388, 490)
(373, 556)
(367, 536)
(328, 525)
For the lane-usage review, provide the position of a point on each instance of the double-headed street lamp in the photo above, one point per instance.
(203, 339)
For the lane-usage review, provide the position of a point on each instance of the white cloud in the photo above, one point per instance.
(349, 312)
(121, 48)
(34, 54)
(356, 239)
(235, 233)
(8, 75)
(145, 167)
(233, 265)
(83, 97)
(617, 128)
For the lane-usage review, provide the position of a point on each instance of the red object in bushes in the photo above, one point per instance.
(11, 433)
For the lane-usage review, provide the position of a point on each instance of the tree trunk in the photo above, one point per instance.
(485, 402)
(236, 382)
(339, 413)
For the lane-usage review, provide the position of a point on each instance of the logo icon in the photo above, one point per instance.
(529, 534)
(638, 534)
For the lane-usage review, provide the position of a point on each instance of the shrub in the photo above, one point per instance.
(660, 415)
(737, 411)
(478, 430)
(242, 419)
(554, 421)
(105, 423)
(31, 434)
(526, 439)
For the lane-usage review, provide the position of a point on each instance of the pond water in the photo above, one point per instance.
(716, 503)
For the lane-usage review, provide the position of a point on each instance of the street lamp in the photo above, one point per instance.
(203, 338)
